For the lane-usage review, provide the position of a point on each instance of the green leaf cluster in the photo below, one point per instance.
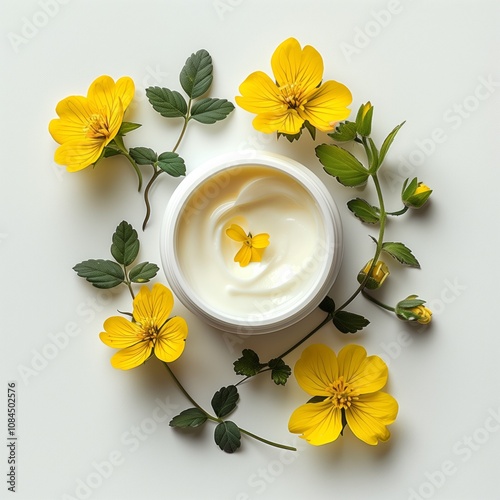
(249, 365)
(105, 273)
(168, 162)
(196, 78)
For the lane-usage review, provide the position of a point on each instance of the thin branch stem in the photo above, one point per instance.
(375, 301)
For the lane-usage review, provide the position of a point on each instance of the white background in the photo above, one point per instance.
(423, 62)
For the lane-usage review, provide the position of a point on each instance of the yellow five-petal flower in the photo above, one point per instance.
(252, 246)
(346, 386)
(151, 330)
(87, 124)
(296, 94)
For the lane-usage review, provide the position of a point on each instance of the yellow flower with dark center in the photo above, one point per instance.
(252, 246)
(151, 330)
(296, 94)
(87, 124)
(346, 390)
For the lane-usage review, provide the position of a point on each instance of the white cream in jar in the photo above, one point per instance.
(265, 194)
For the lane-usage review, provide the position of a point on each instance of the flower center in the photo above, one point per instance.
(343, 394)
(97, 127)
(149, 331)
(292, 95)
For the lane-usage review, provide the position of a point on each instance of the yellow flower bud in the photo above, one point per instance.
(412, 309)
(415, 194)
(364, 119)
(422, 314)
(377, 275)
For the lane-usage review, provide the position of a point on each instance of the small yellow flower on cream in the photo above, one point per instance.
(252, 246)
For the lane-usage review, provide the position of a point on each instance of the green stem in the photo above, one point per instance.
(157, 171)
(375, 301)
(118, 140)
(399, 212)
(215, 419)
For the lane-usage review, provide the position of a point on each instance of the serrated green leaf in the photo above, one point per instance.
(225, 400)
(401, 253)
(169, 103)
(347, 322)
(345, 131)
(196, 75)
(279, 371)
(143, 272)
(127, 127)
(227, 436)
(172, 164)
(210, 110)
(143, 156)
(125, 246)
(249, 363)
(364, 211)
(101, 273)
(192, 417)
(387, 143)
(341, 164)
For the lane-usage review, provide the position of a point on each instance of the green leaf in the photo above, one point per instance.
(192, 417)
(401, 253)
(211, 110)
(101, 273)
(373, 156)
(196, 75)
(169, 103)
(249, 364)
(327, 305)
(345, 131)
(143, 156)
(279, 371)
(225, 400)
(347, 322)
(125, 246)
(108, 151)
(228, 436)
(127, 127)
(172, 164)
(410, 303)
(143, 272)
(310, 129)
(342, 165)
(387, 143)
(364, 211)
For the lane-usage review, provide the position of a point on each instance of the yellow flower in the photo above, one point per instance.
(296, 94)
(346, 390)
(87, 124)
(151, 330)
(252, 247)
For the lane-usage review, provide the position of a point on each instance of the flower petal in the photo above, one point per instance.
(125, 89)
(366, 374)
(316, 369)
(155, 304)
(293, 65)
(259, 94)
(260, 240)
(74, 115)
(327, 105)
(171, 340)
(132, 357)
(244, 256)
(287, 121)
(319, 423)
(120, 333)
(370, 415)
(236, 233)
(78, 154)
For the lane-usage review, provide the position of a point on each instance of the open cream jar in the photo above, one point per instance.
(262, 193)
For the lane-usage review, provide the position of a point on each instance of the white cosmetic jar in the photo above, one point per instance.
(263, 193)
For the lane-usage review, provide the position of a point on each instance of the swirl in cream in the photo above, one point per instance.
(260, 199)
